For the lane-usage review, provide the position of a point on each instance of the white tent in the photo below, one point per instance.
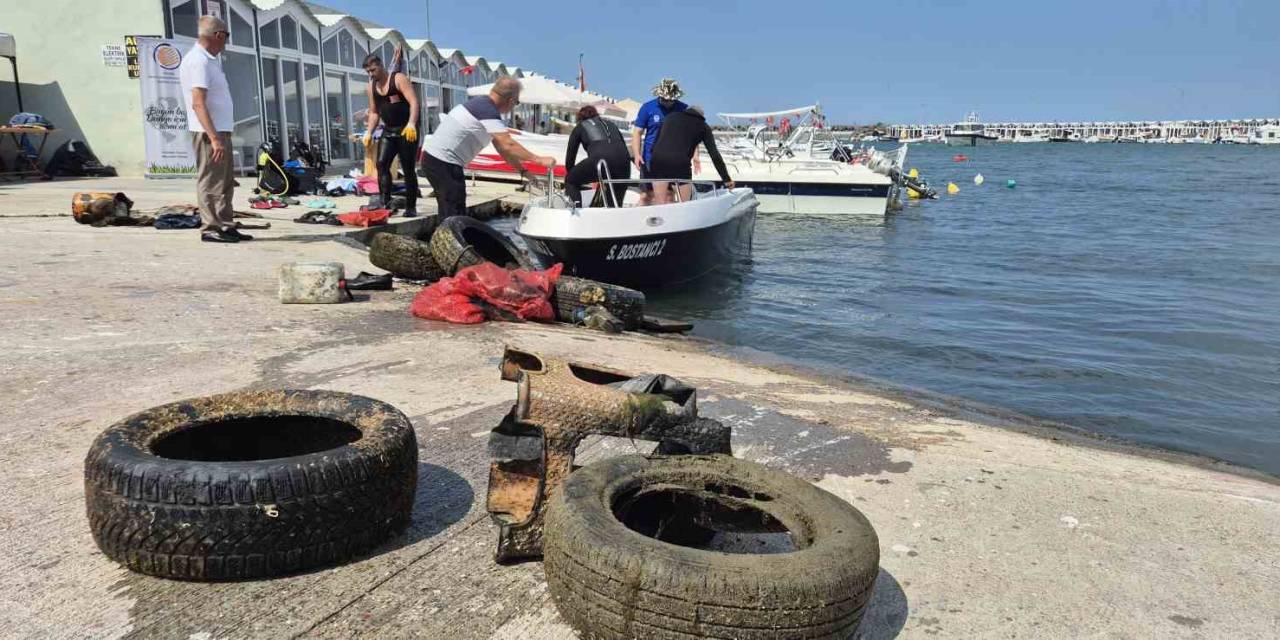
(540, 90)
(9, 49)
(798, 111)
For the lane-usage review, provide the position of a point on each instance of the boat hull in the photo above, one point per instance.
(969, 140)
(822, 199)
(650, 261)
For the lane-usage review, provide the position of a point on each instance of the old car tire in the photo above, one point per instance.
(404, 257)
(251, 484)
(612, 582)
(573, 294)
(461, 242)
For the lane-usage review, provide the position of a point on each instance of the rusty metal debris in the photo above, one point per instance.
(558, 404)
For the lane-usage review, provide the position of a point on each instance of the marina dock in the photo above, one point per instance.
(1239, 131)
(987, 520)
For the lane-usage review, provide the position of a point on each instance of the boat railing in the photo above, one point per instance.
(824, 169)
(602, 171)
(699, 186)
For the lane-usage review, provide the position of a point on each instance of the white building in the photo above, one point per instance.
(295, 70)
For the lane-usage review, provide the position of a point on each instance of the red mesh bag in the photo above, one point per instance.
(365, 218)
(487, 291)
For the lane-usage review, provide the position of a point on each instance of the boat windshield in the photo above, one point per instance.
(971, 124)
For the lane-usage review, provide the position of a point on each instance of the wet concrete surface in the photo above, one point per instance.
(985, 531)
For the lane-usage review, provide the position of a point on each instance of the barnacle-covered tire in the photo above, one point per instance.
(462, 241)
(610, 581)
(573, 294)
(406, 257)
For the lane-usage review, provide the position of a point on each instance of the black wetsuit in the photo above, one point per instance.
(395, 116)
(673, 152)
(603, 141)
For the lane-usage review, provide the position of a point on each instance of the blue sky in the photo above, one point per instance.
(888, 61)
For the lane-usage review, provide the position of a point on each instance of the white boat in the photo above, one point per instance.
(969, 133)
(490, 164)
(1266, 134)
(646, 247)
(1034, 137)
(810, 170)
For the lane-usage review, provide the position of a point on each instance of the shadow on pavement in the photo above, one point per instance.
(443, 498)
(887, 613)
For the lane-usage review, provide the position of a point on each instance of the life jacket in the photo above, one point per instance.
(600, 130)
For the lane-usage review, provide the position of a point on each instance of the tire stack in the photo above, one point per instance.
(443, 248)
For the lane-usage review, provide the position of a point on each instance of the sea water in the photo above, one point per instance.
(1127, 289)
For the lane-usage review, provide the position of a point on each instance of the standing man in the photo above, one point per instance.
(393, 102)
(463, 132)
(647, 125)
(211, 120)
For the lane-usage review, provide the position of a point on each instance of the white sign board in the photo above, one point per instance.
(113, 55)
(164, 111)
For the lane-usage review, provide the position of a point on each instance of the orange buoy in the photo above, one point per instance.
(960, 157)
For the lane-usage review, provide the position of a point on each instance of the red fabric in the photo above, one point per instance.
(489, 291)
(367, 185)
(468, 70)
(365, 218)
(495, 163)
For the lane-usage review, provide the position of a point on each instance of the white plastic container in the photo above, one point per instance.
(311, 282)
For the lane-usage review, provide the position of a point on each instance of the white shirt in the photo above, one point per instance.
(465, 130)
(203, 71)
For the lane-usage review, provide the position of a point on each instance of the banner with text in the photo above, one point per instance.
(164, 112)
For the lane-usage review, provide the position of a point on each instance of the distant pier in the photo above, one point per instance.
(1242, 131)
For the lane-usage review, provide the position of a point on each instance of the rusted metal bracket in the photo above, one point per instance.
(558, 404)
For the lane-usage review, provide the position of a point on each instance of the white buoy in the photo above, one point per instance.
(978, 179)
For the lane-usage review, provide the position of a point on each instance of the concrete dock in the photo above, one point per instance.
(990, 524)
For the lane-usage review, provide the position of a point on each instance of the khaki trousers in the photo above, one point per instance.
(215, 182)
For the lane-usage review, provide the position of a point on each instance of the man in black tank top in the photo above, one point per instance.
(393, 101)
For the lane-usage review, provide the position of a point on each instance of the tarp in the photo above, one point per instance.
(772, 114)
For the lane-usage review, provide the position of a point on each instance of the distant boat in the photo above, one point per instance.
(969, 133)
(1266, 134)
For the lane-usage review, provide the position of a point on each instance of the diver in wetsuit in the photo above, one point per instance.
(603, 141)
(674, 151)
(393, 101)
